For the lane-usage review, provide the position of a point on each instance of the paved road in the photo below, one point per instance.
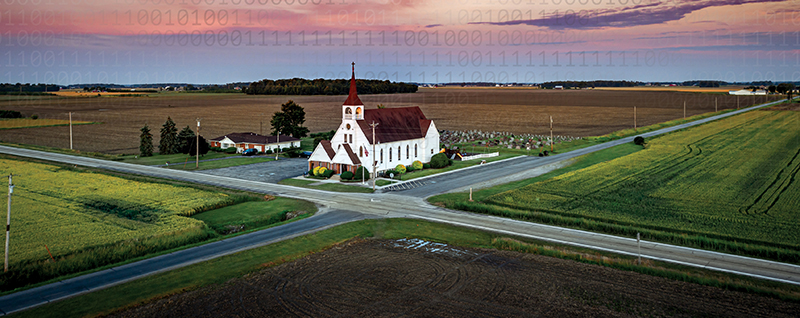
(394, 205)
(118, 275)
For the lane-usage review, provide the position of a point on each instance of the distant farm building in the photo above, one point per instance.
(747, 92)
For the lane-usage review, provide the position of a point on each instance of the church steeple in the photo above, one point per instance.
(352, 98)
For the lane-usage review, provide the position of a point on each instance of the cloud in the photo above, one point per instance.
(644, 14)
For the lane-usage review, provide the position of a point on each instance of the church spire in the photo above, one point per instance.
(352, 98)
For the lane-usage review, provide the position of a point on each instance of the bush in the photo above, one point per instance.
(410, 168)
(347, 175)
(319, 171)
(359, 172)
(440, 160)
(328, 173)
(401, 169)
(230, 150)
(34, 116)
(10, 114)
(426, 166)
(417, 165)
(388, 173)
(639, 140)
(269, 151)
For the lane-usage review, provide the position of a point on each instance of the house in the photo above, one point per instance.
(402, 136)
(249, 140)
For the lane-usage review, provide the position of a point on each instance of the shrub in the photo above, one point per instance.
(359, 172)
(269, 151)
(639, 140)
(388, 173)
(401, 169)
(426, 166)
(440, 160)
(10, 114)
(417, 165)
(34, 116)
(410, 168)
(347, 175)
(230, 150)
(328, 173)
(318, 171)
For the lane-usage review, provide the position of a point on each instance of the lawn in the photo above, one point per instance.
(252, 214)
(178, 158)
(727, 185)
(456, 165)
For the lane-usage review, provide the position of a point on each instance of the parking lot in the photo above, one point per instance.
(272, 171)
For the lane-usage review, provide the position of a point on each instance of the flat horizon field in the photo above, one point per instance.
(578, 113)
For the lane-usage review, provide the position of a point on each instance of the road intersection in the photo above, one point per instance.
(338, 208)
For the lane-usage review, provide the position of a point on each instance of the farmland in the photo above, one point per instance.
(575, 112)
(33, 123)
(733, 180)
(90, 219)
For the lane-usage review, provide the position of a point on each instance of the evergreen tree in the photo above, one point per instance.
(192, 148)
(288, 121)
(146, 142)
(186, 140)
(169, 138)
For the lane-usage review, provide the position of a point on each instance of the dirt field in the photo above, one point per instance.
(575, 112)
(401, 278)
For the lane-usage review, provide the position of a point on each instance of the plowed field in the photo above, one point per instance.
(575, 112)
(369, 278)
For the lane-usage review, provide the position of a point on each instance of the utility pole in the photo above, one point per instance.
(715, 105)
(261, 124)
(551, 134)
(8, 219)
(374, 155)
(634, 118)
(70, 130)
(197, 141)
(737, 102)
(684, 109)
(279, 145)
(639, 246)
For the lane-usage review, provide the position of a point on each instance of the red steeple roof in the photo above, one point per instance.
(352, 98)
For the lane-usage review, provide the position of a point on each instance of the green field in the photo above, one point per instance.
(88, 220)
(728, 185)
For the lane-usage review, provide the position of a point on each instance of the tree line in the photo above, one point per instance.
(7, 88)
(592, 84)
(300, 86)
(172, 141)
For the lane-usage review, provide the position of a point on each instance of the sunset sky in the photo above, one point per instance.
(504, 41)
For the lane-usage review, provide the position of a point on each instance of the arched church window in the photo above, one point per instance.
(415, 150)
(348, 110)
(408, 153)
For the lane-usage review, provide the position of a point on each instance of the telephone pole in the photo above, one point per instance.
(197, 141)
(684, 109)
(279, 145)
(70, 130)
(551, 134)
(374, 155)
(715, 105)
(8, 219)
(634, 118)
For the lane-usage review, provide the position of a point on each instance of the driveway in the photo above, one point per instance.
(271, 171)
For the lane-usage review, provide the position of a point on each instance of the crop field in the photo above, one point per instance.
(33, 123)
(733, 180)
(519, 110)
(90, 219)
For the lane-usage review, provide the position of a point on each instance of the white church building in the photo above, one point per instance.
(402, 136)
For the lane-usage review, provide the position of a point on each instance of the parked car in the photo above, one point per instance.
(305, 154)
(250, 152)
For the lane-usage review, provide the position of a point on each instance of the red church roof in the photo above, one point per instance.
(352, 98)
(395, 124)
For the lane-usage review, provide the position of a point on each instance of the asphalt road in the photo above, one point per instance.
(407, 204)
(118, 275)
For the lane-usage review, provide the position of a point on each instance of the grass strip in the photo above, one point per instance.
(222, 269)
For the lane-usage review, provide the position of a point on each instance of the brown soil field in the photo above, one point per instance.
(575, 112)
(380, 278)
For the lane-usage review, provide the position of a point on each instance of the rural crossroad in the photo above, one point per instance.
(345, 207)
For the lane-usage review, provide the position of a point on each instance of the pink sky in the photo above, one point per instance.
(217, 41)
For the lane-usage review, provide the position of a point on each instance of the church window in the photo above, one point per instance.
(398, 152)
(348, 126)
(348, 110)
(407, 152)
(381, 155)
(361, 151)
(415, 150)
(390, 155)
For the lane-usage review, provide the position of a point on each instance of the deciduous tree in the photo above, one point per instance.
(289, 120)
